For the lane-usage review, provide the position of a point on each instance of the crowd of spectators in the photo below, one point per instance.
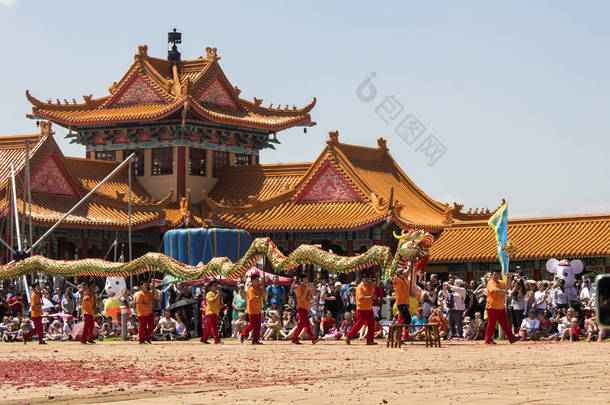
(538, 310)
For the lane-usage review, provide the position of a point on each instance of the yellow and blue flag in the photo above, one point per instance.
(499, 223)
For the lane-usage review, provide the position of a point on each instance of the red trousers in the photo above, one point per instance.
(254, 326)
(404, 320)
(87, 335)
(146, 325)
(497, 315)
(363, 316)
(211, 326)
(303, 325)
(37, 329)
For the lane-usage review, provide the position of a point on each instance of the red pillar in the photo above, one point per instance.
(181, 172)
(537, 274)
(350, 247)
(83, 249)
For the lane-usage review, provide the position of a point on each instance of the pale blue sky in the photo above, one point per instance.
(518, 90)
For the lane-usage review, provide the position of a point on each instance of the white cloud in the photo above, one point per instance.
(8, 3)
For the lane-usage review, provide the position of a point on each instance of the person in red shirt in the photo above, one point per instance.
(304, 294)
(88, 305)
(36, 315)
(329, 323)
(146, 319)
(574, 332)
(254, 308)
(364, 311)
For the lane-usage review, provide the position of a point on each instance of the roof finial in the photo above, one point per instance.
(174, 38)
(382, 144)
(210, 53)
(333, 137)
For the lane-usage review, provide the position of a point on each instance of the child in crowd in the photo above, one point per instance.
(272, 325)
(239, 325)
(132, 327)
(573, 333)
(529, 326)
(592, 329)
(546, 327)
(11, 333)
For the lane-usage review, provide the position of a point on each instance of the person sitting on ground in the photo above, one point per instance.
(328, 328)
(417, 332)
(132, 327)
(181, 330)
(55, 330)
(5, 325)
(546, 327)
(66, 328)
(348, 322)
(289, 324)
(437, 318)
(573, 333)
(469, 329)
(11, 333)
(272, 325)
(239, 324)
(166, 326)
(529, 325)
(108, 329)
(592, 329)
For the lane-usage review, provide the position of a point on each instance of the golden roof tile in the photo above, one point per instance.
(534, 238)
(166, 88)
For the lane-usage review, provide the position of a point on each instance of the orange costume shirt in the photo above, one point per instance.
(401, 288)
(144, 303)
(363, 291)
(495, 300)
(88, 303)
(254, 305)
(303, 300)
(35, 305)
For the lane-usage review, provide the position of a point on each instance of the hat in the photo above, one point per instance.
(467, 319)
(564, 262)
(400, 271)
(587, 282)
(420, 309)
(459, 281)
(338, 284)
(273, 311)
(352, 284)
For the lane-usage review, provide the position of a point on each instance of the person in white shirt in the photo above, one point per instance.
(529, 325)
(456, 312)
(166, 326)
(540, 297)
(559, 296)
(587, 294)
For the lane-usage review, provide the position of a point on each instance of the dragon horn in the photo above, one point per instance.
(402, 235)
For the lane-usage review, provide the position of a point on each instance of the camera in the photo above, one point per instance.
(602, 287)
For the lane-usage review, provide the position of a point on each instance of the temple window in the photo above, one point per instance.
(197, 161)
(105, 155)
(221, 159)
(242, 159)
(137, 164)
(162, 161)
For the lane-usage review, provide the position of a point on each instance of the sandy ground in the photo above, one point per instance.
(327, 373)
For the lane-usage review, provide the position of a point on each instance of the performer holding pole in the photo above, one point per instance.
(304, 295)
(496, 312)
(146, 320)
(254, 308)
(35, 314)
(88, 305)
(364, 311)
(401, 288)
(213, 304)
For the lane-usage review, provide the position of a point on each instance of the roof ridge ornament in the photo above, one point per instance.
(211, 53)
(333, 137)
(382, 145)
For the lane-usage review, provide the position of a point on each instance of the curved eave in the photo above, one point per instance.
(244, 122)
(312, 228)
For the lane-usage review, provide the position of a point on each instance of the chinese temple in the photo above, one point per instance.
(197, 144)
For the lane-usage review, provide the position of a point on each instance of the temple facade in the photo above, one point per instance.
(197, 144)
